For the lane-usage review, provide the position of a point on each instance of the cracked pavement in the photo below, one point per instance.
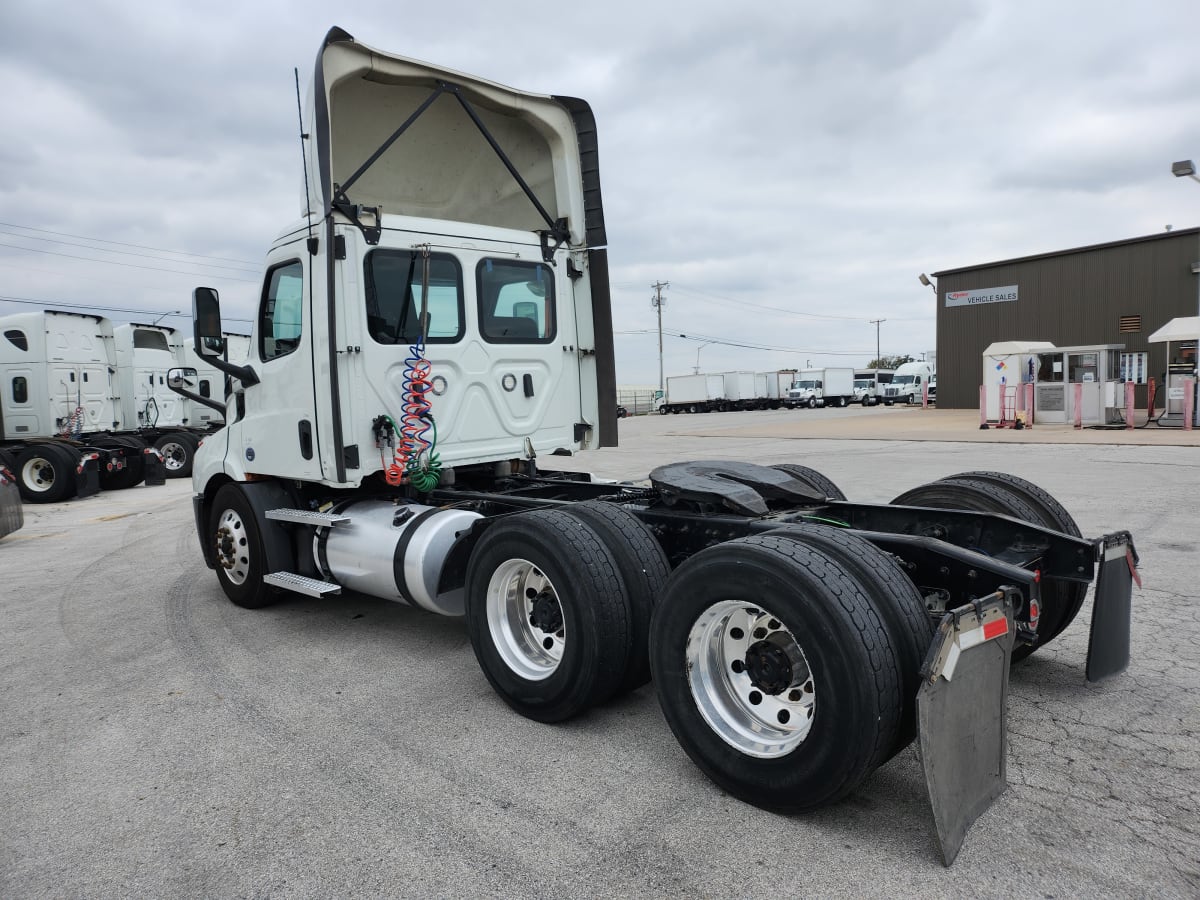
(156, 740)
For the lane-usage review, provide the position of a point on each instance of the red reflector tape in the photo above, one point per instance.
(1137, 579)
(995, 629)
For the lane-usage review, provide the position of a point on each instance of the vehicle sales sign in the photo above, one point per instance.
(977, 298)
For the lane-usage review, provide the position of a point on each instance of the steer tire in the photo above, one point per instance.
(644, 570)
(816, 650)
(235, 532)
(528, 573)
(1061, 600)
(811, 478)
(43, 474)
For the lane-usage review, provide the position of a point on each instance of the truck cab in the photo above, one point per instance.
(908, 383)
(447, 285)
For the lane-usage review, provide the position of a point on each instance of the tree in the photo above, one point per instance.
(889, 362)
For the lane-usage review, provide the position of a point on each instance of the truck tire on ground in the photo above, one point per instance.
(813, 479)
(1061, 600)
(234, 531)
(775, 672)
(811, 403)
(546, 614)
(178, 451)
(899, 604)
(644, 570)
(43, 474)
(983, 496)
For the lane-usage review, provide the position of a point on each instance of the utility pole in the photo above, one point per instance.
(877, 323)
(657, 302)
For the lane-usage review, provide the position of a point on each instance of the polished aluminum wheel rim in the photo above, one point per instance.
(233, 546)
(750, 680)
(174, 455)
(521, 604)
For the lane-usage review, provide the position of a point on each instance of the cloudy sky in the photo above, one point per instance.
(789, 169)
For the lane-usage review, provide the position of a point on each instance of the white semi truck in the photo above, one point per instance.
(908, 383)
(437, 327)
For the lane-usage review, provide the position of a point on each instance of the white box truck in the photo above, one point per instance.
(822, 387)
(693, 394)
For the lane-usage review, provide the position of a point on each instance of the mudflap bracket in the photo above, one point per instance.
(962, 710)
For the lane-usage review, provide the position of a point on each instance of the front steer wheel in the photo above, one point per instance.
(547, 614)
(775, 672)
(238, 549)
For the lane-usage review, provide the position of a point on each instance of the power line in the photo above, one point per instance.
(748, 346)
(83, 237)
(717, 298)
(240, 269)
(92, 306)
(113, 262)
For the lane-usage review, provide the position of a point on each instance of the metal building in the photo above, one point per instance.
(1115, 293)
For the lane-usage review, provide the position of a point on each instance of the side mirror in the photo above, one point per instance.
(181, 378)
(206, 316)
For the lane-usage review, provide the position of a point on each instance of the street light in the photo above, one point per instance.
(173, 312)
(1184, 167)
(698, 349)
(924, 279)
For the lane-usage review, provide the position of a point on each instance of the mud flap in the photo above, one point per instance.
(962, 714)
(1108, 642)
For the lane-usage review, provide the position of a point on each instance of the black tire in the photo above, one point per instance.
(778, 588)
(662, 410)
(644, 571)
(897, 601)
(813, 479)
(866, 401)
(237, 536)
(811, 403)
(888, 402)
(43, 474)
(692, 408)
(1061, 600)
(71, 457)
(984, 496)
(525, 571)
(178, 451)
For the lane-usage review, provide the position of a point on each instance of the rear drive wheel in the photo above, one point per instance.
(644, 570)
(43, 474)
(1061, 600)
(811, 478)
(546, 614)
(130, 451)
(235, 532)
(178, 451)
(896, 599)
(775, 672)
(983, 496)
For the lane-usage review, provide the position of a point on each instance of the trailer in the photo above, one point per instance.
(412, 374)
(743, 390)
(778, 383)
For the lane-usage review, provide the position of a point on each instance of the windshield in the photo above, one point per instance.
(804, 385)
(862, 384)
(904, 379)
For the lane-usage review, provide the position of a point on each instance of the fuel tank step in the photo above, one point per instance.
(299, 584)
(307, 517)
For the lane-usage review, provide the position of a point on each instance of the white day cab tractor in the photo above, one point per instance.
(436, 329)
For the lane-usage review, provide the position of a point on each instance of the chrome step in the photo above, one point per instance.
(311, 587)
(307, 517)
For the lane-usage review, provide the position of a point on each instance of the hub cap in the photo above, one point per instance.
(525, 619)
(174, 456)
(38, 475)
(233, 547)
(750, 679)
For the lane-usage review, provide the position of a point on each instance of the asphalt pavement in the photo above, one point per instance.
(156, 740)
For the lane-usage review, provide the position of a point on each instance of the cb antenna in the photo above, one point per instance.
(312, 241)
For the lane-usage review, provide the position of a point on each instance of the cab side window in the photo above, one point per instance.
(516, 302)
(281, 312)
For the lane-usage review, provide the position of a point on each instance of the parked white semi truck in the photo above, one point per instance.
(908, 383)
(437, 328)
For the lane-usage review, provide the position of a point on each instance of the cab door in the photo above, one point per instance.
(278, 435)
